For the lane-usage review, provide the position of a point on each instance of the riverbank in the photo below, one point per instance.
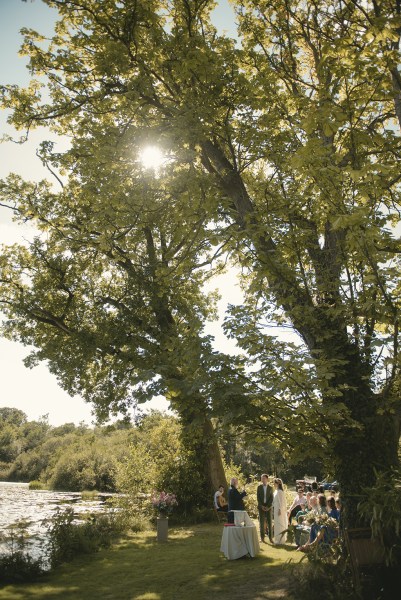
(38, 507)
(188, 566)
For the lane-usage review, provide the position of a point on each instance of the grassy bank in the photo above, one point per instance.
(189, 566)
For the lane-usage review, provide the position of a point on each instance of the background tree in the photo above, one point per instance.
(159, 461)
(117, 285)
(294, 139)
(69, 457)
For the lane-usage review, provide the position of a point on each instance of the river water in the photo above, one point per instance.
(18, 502)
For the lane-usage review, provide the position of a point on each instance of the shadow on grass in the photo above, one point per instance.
(188, 566)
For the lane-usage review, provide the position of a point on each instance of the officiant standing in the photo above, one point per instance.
(235, 499)
(264, 495)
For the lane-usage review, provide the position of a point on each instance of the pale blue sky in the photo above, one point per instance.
(35, 391)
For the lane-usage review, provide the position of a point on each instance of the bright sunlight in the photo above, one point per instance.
(152, 157)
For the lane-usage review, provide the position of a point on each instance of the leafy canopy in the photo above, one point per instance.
(284, 148)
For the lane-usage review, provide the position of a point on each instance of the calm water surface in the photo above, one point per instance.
(18, 502)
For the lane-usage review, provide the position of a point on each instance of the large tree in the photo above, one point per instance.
(288, 141)
(111, 293)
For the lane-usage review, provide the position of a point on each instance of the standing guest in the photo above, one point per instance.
(220, 503)
(235, 499)
(298, 504)
(264, 495)
(280, 513)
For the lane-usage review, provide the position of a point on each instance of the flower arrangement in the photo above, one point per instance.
(164, 502)
(325, 520)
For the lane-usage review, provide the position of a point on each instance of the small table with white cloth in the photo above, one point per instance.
(241, 538)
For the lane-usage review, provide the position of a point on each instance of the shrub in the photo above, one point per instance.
(19, 567)
(158, 459)
(198, 515)
(67, 537)
(16, 565)
(137, 523)
(4, 471)
(316, 580)
(89, 495)
(85, 468)
(36, 485)
(381, 509)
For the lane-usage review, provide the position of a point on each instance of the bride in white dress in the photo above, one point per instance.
(279, 513)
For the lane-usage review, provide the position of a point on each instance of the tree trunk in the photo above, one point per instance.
(367, 444)
(199, 436)
(216, 475)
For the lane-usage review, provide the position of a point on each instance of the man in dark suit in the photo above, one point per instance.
(235, 499)
(264, 495)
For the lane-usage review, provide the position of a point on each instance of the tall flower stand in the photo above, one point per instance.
(162, 528)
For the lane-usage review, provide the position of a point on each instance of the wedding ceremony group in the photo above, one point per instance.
(311, 519)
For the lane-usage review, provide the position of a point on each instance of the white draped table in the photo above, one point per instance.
(241, 517)
(241, 538)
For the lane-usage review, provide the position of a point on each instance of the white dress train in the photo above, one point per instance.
(280, 520)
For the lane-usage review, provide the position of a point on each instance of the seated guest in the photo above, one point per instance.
(332, 509)
(298, 504)
(220, 503)
(301, 529)
(313, 531)
(235, 499)
(322, 504)
(320, 533)
(313, 505)
(301, 514)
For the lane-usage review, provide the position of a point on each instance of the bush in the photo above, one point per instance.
(137, 523)
(67, 537)
(19, 567)
(381, 509)
(198, 515)
(89, 495)
(159, 460)
(82, 469)
(37, 485)
(4, 471)
(317, 580)
(16, 565)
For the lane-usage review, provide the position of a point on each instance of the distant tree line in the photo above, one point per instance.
(67, 457)
(125, 456)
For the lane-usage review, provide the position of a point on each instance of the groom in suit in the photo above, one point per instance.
(264, 495)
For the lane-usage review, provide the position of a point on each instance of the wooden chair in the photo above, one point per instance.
(365, 552)
(221, 516)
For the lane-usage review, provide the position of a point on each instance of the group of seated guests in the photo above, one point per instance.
(307, 510)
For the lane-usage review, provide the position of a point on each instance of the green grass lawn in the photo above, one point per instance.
(188, 566)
